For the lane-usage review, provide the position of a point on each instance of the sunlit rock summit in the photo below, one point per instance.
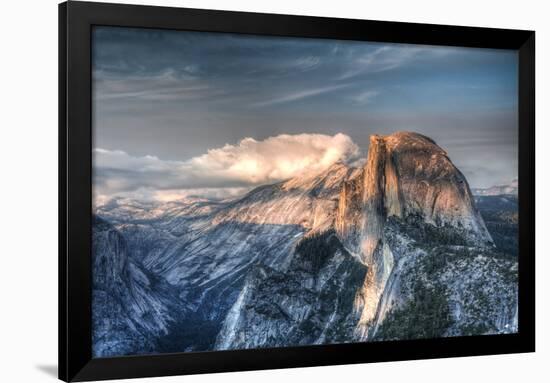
(407, 179)
(394, 249)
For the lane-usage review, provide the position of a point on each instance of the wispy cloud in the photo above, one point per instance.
(379, 60)
(307, 63)
(165, 86)
(300, 95)
(386, 58)
(365, 97)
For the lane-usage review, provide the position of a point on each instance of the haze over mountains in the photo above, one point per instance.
(509, 188)
(398, 248)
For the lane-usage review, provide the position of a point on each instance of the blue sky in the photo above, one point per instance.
(175, 95)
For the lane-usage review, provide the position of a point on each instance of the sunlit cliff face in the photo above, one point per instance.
(406, 174)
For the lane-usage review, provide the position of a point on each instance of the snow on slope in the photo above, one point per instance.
(332, 257)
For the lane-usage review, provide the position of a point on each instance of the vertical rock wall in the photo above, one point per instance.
(406, 176)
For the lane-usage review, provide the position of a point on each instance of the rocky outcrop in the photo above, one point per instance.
(431, 187)
(311, 302)
(128, 313)
(406, 175)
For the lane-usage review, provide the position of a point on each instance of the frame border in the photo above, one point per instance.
(76, 20)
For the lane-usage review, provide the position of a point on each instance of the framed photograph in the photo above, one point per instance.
(246, 191)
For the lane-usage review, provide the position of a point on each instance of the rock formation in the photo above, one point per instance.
(406, 175)
(395, 249)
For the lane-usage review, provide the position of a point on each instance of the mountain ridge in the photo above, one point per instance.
(324, 258)
(507, 188)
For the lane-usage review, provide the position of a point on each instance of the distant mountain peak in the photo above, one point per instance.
(502, 189)
(330, 178)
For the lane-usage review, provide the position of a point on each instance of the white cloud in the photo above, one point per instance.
(225, 171)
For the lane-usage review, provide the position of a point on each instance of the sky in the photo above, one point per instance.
(178, 113)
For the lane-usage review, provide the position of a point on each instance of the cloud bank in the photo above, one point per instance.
(221, 172)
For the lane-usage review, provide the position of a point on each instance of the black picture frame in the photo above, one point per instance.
(75, 185)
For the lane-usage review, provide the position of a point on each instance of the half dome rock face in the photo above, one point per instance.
(421, 180)
(409, 177)
(411, 181)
